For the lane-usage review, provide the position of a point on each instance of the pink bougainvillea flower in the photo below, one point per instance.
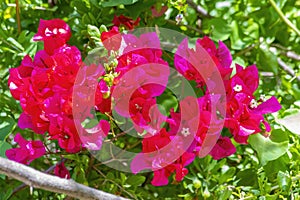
(92, 138)
(157, 157)
(19, 79)
(55, 33)
(189, 62)
(223, 148)
(27, 152)
(241, 120)
(112, 39)
(269, 106)
(221, 55)
(161, 176)
(61, 171)
(102, 102)
(139, 109)
(245, 80)
(245, 114)
(62, 128)
(143, 75)
(54, 28)
(128, 22)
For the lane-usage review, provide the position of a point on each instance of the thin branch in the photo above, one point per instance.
(286, 68)
(113, 182)
(38, 179)
(284, 18)
(18, 16)
(286, 52)
(187, 26)
(247, 49)
(292, 55)
(198, 8)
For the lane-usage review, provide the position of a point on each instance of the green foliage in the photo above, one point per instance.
(266, 149)
(268, 168)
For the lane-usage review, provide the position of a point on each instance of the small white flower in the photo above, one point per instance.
(55, 31)
(137, 106)
(47, 32)
(179, 18)
(253, 103)
(263, 97)
(62, 31)
(185, 132)
(237, 88)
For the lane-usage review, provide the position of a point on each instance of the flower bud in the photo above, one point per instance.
(103, 28)
(206, 193)
(196, 183)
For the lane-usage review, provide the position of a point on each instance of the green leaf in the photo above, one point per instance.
(252, 29)
(220, 29)
(135, 180)
(3, 147)
(284, 180)
(6, 194)
(227, 175)
(291, 122)
(235, 37)
(247, 177)
(7, 124)
(274, 166)
(167, 100)
(15, 43)
(266, 149)
(267, 61)
(136, 9)
(225, 194)
(80, 6)
(112, 3)
(278, 135)
(110, 176)
(23, 36)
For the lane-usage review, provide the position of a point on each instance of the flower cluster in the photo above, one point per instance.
(244, 114)
(44, 87)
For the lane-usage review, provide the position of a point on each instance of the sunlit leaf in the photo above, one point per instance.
(266, 149)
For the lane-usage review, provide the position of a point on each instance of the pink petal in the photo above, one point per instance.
(269, 106)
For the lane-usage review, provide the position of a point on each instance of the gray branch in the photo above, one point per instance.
(38, 179)
(286, 68)
(198, 8)
(292, 55)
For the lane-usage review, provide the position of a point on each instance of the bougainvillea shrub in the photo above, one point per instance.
(45, 85)
(152, 99)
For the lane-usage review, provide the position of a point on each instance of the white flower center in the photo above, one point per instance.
(185, 132)
(47, 32)
(137, 106)
(55, 31)
(179, 18)
(62, 31)
(237, 88)
(253, 103)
